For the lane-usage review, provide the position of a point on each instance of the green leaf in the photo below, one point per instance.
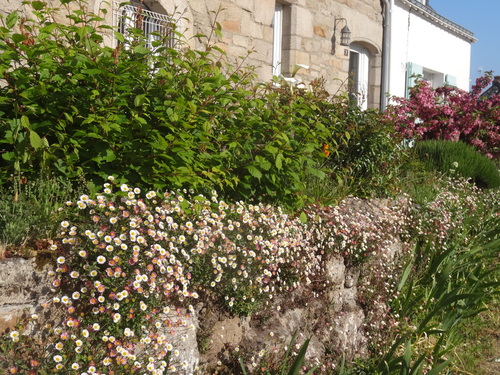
(279, 161)
(288, 351)
(254, 172)
(110, 155)
(141, 50)
(139, 100)
(218, 30)
(119, 37)
(271, 149)
(407, 355)
(38, 5)
(84, 31)
(93, 135)
(160, 144)
(437, 370)
(25, 122)
(11, 19)
(242, 365)
(92, 72)
(263, 163)
(207, 126)
(405, 275)
(316, 173)
(49, 28)
(8, 155)
(18, 38)
(35, 140)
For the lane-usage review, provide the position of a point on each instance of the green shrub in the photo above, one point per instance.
(456, 157)
(171, 118)
(366, 155)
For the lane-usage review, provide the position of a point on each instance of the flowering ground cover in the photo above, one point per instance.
(130, 267)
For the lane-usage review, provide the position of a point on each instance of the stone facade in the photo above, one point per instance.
(306, 37)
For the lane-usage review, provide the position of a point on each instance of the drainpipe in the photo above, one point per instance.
(386, 53)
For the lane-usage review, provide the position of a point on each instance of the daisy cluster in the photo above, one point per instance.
(122, 281)
(459, 205)
(361, 233)
(131, 267)
(248, 253)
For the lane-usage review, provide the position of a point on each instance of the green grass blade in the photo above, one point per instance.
(297, 364)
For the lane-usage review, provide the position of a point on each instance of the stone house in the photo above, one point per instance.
(299, 40)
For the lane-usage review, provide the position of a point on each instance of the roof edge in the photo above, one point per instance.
(438, 19)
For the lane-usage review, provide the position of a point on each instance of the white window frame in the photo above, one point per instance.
(156, 26)
(435, 79)
(277, 39)
(359, 88)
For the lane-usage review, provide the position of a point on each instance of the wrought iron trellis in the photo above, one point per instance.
(155, 26)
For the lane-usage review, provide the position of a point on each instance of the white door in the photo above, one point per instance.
(359, 65)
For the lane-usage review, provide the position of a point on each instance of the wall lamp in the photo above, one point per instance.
(345, 34)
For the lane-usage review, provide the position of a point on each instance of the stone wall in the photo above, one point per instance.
(24, 285)
(333, 312)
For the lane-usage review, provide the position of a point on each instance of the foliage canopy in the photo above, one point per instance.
(170, 118)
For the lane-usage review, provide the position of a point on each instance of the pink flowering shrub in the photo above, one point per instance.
(449, 113)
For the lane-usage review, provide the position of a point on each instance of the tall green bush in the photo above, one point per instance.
(366, 153)
(458, 158)
(173, 118)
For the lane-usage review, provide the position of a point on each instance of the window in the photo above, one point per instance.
(277, 39)
(359, 65)
(450, 80)
(435, 78)
(156, 26)
(413, 72)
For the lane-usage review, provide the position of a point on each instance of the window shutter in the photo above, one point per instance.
(451, 80)
(412, 71)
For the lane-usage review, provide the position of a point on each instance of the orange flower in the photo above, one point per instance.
(326, 150)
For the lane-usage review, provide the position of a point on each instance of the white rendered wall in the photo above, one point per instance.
(417, 40)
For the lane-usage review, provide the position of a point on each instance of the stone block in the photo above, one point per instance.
(23, 287)
(263, 11)
(231, 25)
(335, 270)
(320, 31)
(302, 22)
